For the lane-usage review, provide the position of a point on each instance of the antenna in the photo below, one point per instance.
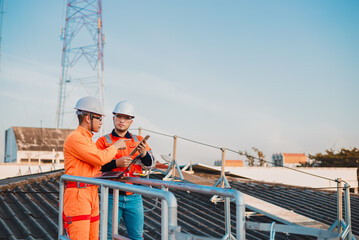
(82, 58)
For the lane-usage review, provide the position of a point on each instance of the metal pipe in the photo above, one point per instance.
(272, 231)
(164, 220)
(223, 166)
(174, 156)
(61, 208)
(164, 217)
(104, 212)
(115, 212)
(227, 215)
(347, 210)
(240, 215)
(339, 204)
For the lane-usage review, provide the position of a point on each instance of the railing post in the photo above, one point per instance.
(164, 222)
(272, 231)
(240, 216)
(223, 166)
(139, 131)
(115, 212)
(104, 212)
(61, 208)
(347, 210)
(174, 156)
(227, 216)
(339, 204)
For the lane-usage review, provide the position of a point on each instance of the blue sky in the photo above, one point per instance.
(281, 76)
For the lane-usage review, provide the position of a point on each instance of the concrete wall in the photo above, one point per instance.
(287, 176)
(13, 170)
(39, 156)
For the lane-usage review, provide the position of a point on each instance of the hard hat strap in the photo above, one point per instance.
(91, 117)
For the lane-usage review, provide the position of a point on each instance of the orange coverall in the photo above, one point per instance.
(103, 143)
(81, 205)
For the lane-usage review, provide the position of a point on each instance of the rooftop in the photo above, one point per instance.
(29, 207)
(40, 139)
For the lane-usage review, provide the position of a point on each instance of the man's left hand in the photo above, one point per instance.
(142, 149)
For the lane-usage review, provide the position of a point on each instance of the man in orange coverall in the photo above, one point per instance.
(83, 158)
(130, 204)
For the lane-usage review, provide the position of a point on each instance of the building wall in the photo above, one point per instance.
(288, 159)
(12, 169)
(34, 145)
(294, 158)
(40, 157)
(229, 163)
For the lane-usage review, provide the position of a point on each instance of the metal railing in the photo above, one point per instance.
(169, 228)
(343, 226)
(169, 213)
(227, 193)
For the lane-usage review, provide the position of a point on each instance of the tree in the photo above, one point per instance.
(250, 159)
(331, 158)
(261, 156)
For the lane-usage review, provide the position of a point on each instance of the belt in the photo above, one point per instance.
(78, 185)
(110, 191)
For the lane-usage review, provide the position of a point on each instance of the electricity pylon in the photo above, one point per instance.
(82, 58)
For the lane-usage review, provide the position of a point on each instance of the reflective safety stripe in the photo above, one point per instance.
(70, 219)
(135, 138)
(108, 138)
(78, 185)
(94, 219)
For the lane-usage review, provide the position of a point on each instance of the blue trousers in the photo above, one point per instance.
(130, 207)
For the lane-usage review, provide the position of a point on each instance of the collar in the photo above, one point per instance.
(127, 135)
(83, 130)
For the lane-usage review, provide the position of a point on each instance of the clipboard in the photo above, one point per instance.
(136, 148)
(111, 175)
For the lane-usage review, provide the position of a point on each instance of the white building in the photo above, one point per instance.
(312, 177)
(26, 145)
(288, 159)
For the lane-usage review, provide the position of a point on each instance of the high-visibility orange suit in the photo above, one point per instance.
(81, 201)
(130, 207)
(107, 140)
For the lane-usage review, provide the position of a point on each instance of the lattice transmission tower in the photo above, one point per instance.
(82, 58)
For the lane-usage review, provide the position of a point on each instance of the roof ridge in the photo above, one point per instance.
(13, 182)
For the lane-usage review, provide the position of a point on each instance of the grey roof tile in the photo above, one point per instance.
(28, 209)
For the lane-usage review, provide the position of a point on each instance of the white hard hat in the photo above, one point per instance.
(124, 108)
(89, 104)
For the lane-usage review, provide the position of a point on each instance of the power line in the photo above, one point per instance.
(245, 154)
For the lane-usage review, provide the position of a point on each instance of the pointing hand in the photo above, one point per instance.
(121, 144)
